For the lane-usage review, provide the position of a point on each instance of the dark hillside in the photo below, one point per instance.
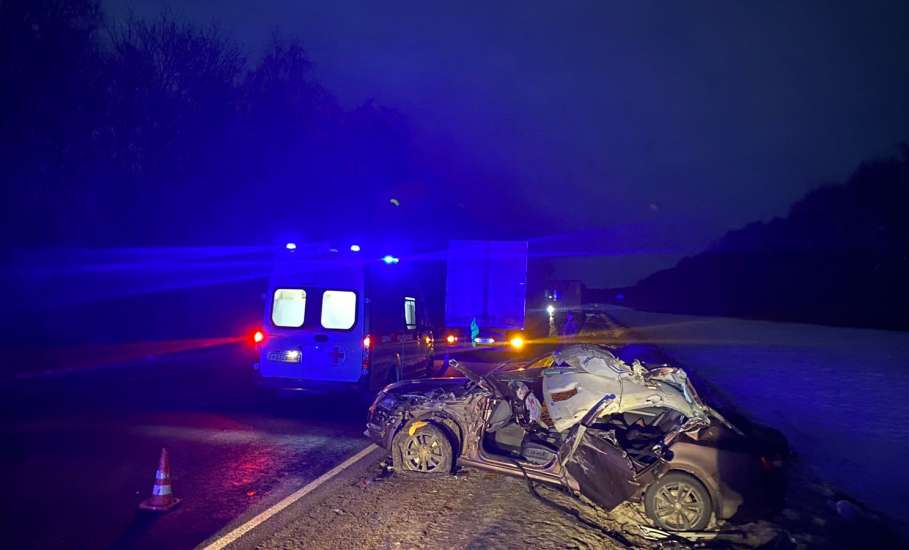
(840, 257)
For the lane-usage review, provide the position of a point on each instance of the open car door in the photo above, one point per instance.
(601, 468)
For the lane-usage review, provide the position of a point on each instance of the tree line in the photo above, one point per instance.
(840, 256)
(162, 131)
(125, 145)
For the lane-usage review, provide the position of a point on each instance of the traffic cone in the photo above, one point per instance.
(162, 498)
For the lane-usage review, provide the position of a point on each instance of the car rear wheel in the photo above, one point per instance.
(422, 448)
(678, 502)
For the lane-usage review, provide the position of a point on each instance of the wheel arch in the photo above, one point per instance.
(704, 520)
(446, 426)
(449, 426)
(708, 483)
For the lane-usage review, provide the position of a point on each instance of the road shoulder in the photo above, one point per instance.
(469, 510)
(260, 522)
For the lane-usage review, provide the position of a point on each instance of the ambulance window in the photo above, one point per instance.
(410, 313)
(289, 307)
(339, 309)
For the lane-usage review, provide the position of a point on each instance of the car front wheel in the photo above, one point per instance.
(422, 448)
(678, 502)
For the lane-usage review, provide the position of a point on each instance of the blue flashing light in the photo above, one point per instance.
(354, 248)
(291, 246)
(389, 259)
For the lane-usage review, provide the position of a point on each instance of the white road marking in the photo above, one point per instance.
(264, 516)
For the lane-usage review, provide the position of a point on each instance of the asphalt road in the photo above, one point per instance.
(79, 451)
(80, 448)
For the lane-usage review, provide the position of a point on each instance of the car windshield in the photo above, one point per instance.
(539, 363)
(506, 369)
(489, 373)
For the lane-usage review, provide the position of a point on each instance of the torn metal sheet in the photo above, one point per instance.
(603, 472)
(582, 375)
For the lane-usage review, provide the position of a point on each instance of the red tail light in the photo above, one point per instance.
(367, 342)
(258, 337)
(451, 339)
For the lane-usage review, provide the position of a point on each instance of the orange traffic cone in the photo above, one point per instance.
(162, 498)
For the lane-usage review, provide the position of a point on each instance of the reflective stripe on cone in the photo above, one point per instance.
(162, 498)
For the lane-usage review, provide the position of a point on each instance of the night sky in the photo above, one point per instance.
(651, 127)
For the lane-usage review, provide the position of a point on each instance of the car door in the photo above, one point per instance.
(335, 352)
(602, 469)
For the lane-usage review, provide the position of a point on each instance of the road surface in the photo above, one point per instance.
(80, 450)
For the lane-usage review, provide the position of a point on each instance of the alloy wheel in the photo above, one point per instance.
(678, 506)
(423, 452)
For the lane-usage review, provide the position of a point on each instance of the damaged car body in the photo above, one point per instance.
(582, 419)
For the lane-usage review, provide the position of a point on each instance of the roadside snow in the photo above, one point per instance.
(839, 394)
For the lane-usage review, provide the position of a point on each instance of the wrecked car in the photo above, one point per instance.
(582, 419)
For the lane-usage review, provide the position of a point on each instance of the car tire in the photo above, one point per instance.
(678, 502)
(422, 449)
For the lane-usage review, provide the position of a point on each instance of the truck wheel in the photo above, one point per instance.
(430, 370)
(678, 502)
(422, 449)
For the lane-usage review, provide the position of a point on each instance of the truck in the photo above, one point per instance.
(485, 296)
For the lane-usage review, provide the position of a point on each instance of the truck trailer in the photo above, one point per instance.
(485, 297)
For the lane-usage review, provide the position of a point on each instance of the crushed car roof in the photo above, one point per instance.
(580, 376)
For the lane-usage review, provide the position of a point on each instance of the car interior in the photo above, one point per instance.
(509, 433)
(512, 433)
(640, 431)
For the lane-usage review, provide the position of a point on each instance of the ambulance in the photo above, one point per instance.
(342, 320)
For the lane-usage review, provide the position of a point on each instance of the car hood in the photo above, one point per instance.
(584, 376)
(425, 391)
(426, 387)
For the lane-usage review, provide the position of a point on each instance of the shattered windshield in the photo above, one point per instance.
(590, 379)
(567, 357)
(543, 362)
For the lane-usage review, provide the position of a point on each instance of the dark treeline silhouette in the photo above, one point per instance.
(147, 132)
(144, 136)
(840, 257)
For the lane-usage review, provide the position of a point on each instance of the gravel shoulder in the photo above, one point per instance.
(470, 510)
(473, 510)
